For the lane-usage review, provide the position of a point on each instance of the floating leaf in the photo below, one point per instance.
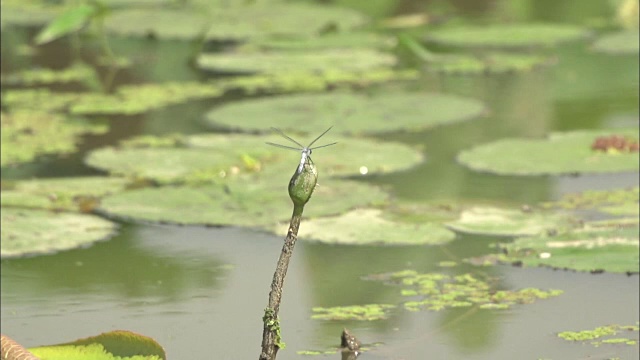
(318, 61)
(235, 22)
(617, 202)
(355, 113)
(508, 222)
(507, 35)
(333, 40)
(129, 99)
(367, 312)
(59, 193)
(310, 81)
(250, 204)
(589, 249)
(624, 42)
(441, 291)
(75, 73)
(491, 63)
(27, 134)
(118, 344)
(28, 232)
(560, 153)
(603, 335)
(213, 157)
(368, 227)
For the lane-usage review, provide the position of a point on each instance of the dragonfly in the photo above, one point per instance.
(306, 150)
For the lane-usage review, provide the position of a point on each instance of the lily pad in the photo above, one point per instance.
(118, 344)
(490, 63)
(60, 193)
(508, 222)
(250, 204)
(27, 134)
(441, 291)
(590, 249)
(356, 113)
(367, 312)
(213, 157)
(31, 232)
(321, 61)
(76, 73)
(624, 42)
(235, 22)
(616, 202)
(507, 35)
(27, 13)
(310, 81)
(609, 334)
(335, 40)
(129, 99)
(560, 153)
(368, 227)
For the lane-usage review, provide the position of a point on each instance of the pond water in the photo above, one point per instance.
(201, 291)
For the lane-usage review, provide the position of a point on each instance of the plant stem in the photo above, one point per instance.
(301, 187)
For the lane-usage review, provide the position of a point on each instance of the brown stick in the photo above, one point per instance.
(271, 341)
(11, 350)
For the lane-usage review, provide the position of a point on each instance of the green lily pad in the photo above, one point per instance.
(129, 99)
(28, 134)
(252, 204)
(615, 202)
(560, 153)
(507, 35)
(75, 73)
(441, 291)
(59, 193)
(118, 344)
(310, 81)
(508, 222)
(367, 312)
(235, 22)
(355, 39)
(590, 249)
(356, 113)
(490, 63)
(31, 232)
(320, 61)
(214, 157)
(27, 13)
(624, 42)
(604, 335)
(368, 227)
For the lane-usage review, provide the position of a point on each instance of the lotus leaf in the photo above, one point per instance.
(355, 113)
(309, 81)
(624, 42)
(368, 227)
(590, 249)
(488, 63)
(367, 312)
(441, 291)
(235, 22)
(326, 41)
(508, 222)
(118, 344)
(250, 204)
(59, 193)
(214, 157)
(560, 153)
(603, 335)
(617, 202)
(74, 73)
(27, 134)
(29, 232)
(507, 35)
(317, 61)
